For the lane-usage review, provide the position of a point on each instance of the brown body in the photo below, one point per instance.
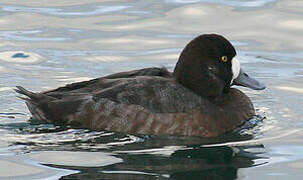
(141, 102)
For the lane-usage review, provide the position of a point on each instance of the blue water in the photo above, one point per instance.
(48, 44)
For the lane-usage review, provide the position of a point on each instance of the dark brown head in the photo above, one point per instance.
(207, 66)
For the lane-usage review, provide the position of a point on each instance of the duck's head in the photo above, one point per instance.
(209, 67)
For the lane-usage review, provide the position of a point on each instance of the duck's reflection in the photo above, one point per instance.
(144, 157)
(192, 162)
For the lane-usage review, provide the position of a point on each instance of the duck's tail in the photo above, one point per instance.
(30, 95)
(33, 101)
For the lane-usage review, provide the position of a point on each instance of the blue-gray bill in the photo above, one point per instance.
(244, 80)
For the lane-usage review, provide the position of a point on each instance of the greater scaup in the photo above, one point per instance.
(194, 100)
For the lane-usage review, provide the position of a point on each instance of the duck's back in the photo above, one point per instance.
(152, 88)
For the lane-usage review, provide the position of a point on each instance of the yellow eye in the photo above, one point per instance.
(224, 58)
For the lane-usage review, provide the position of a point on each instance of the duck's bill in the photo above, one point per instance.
(244, 80)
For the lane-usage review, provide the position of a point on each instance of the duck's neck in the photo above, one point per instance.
(201, 85)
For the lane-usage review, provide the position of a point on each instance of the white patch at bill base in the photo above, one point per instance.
(235, 67)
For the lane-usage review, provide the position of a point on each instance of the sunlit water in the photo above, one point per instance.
(47, 44)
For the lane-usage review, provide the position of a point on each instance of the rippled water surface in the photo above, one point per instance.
(45, 44)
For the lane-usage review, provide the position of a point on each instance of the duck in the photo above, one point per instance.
(196, 99)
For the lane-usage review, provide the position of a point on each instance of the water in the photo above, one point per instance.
(47, 44)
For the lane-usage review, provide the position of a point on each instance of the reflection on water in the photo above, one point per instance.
(92, 155)
(194, 162)
(109, 155)
(47, 44)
